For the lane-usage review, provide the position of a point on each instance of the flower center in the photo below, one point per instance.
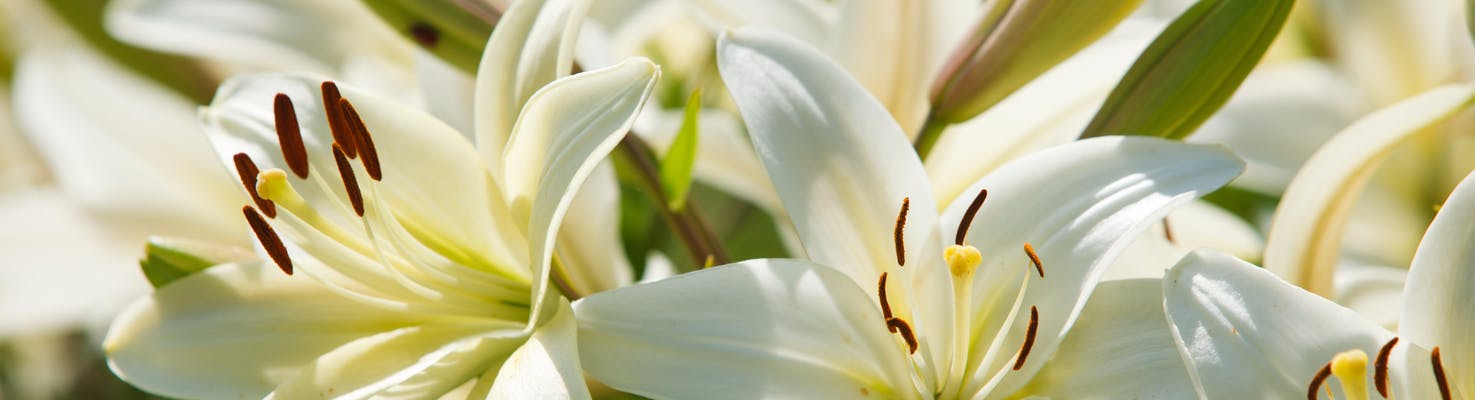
(1350, 369)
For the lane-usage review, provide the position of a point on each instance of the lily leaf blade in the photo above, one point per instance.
(1191, 69)
(680, 159)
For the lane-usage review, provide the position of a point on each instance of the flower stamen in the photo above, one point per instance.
(361, 139)
(289, 135)
(1380, 368)
(898, 232)
(350, 183)
(967, 221)
(1350, 368)
(904, 329)
(1439, 377)
(247, 170)
(1034, 258)
(337, 123)
(1029, 337)
(269, 239)
(885, 306)
(1316, 381)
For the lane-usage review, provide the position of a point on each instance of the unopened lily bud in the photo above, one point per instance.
(168, 259)
(455, 31)
(1014, 42)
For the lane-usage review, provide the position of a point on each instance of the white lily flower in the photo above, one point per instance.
(427, 265)
(882, 308)
(1248, 334)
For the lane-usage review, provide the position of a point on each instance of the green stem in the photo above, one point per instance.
(693, 231)
(931, 131)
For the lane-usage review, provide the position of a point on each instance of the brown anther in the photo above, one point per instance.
(289, 135)
(342, 134)
(269, 239)
(901, 327)
(1034, 258)
(1439, 377)
(897, 233)
(424, 34)
(1321, 375)
(968, 216)
(247, 170)
(361, 139)
(350, 183)
(881, 292)
(1168, 231)
(1380, 367)
(1029, 337)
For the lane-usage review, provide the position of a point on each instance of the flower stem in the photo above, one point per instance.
(695, 234)
(931, 131)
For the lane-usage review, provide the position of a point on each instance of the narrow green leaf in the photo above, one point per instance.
(676, 166)
(455, 31)
(1191, 69)
(169, 259)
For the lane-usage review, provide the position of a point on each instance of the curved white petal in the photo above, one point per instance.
(61, 267)
(1121, 347)
(759, 328)
(843, 169)
(566, 128)
(1396, 50)
(1438, 298)
(532, 46)
(547, 366)
(1079, 205)
(1305, 236)
(1374, 291)
(82, 112)
(889, 47)
(265, 323)
(380, 363)
(589, 246)
(1051, 110)
(275, 34)
(809, 21)
(1247, 334)
(1279, 117)
(1198, 224)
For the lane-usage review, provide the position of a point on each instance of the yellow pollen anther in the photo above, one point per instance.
(962, 260)
(1350, 368)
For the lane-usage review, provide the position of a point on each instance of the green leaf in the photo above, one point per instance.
(169, 259)
(455, 31)
(1191, 69)
(676, 166)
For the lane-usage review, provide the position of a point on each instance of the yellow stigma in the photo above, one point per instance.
(1350, 368)
(272, 185)
(962, 260)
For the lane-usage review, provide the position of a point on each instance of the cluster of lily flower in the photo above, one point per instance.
(1218, 199)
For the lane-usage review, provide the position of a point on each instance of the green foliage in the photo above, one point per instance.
(681, 157)
(1191, 69)
(455, 31)
(180, 74)
(169, 259)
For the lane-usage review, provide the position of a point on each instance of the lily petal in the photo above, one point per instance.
(532, 46)
(886, 45)
(275, 34)
(1051, 110)
(1247, 334)
(268, 325)
(589, 246)
(1119, 348)
(1305, 235)
(786, 329)
(809, 21)
(1441, 288)
(1079, 205)
(379, 363)
(553, 151)
(547, 366)
(843, 169)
